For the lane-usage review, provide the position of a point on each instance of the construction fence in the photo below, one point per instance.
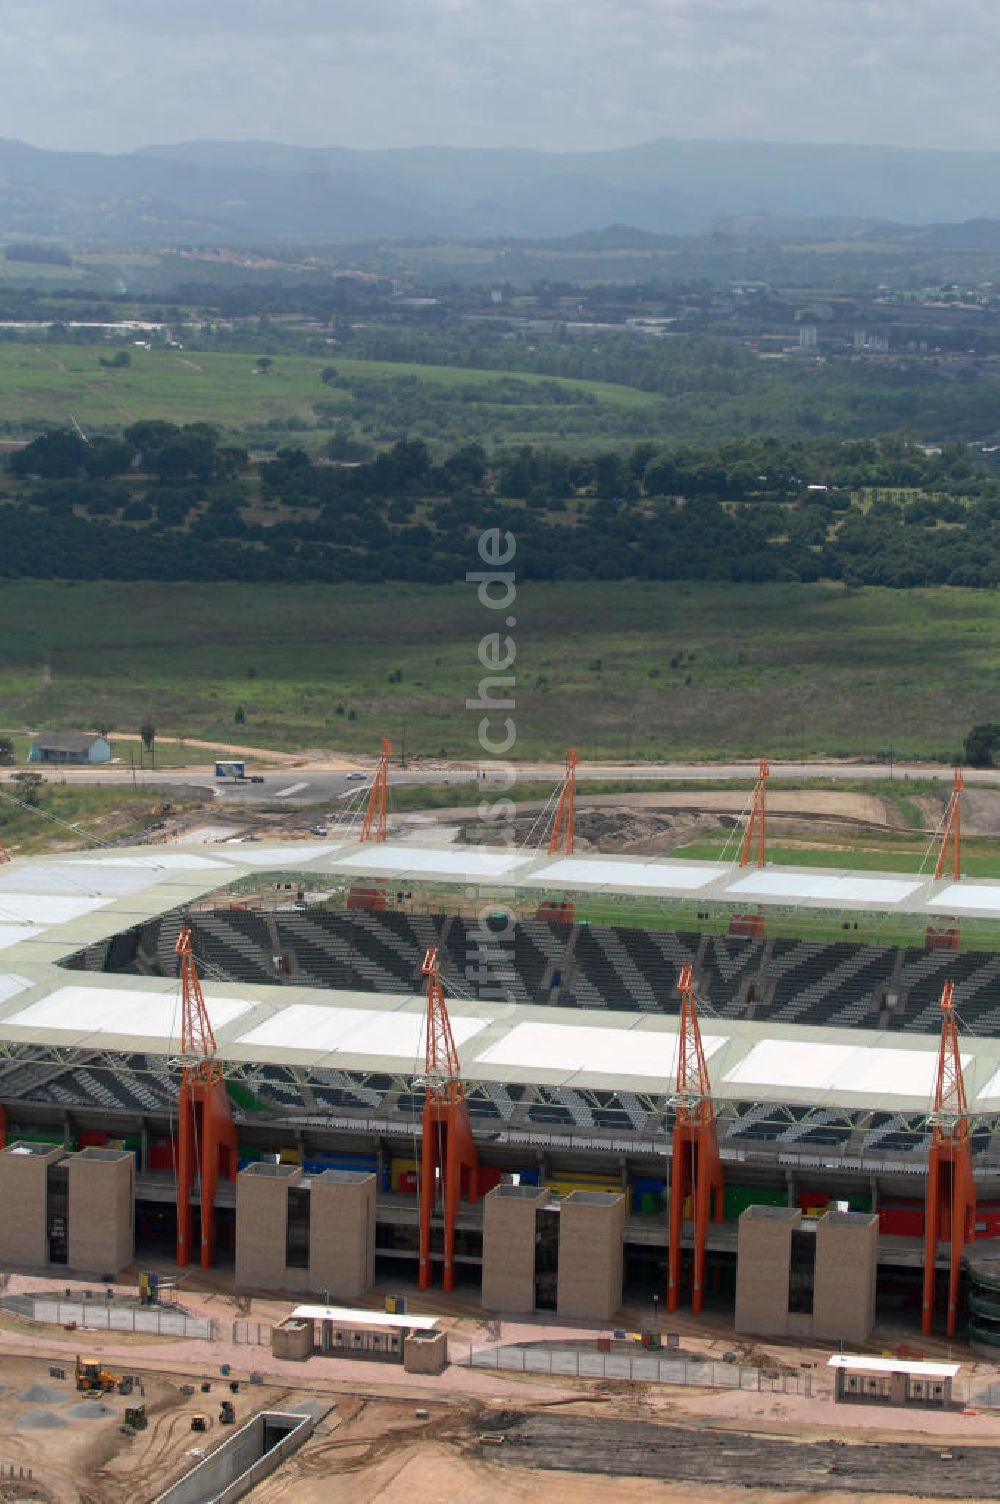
(585, 1363)
(251, 1333)
(111, 1316)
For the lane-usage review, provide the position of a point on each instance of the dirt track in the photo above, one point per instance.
(639, 1449)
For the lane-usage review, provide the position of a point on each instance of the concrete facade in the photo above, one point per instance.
(24, 1236)
(591, 1255)
(846, 1269)
(261, 1228)
(509, 1248)
(101, 1235)
(763, 1265)
(341, 1246)
(342, 1233)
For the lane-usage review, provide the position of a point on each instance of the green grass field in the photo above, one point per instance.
(68, 816)
(47, 383)
(873, 853)
(620, 670)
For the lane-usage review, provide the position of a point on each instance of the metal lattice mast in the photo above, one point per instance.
(952, 837)
(951, 1188)
(197, 1035)
(693, 1101)
(207, 1146)
(447, 1151)
(443, 1083)
(563, 836)
(375, 823)
(695, 1169)
(754, 844)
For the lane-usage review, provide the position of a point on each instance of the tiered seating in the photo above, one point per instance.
(512, 966)
(335, 1089)
(501, 1098)
(815, 982)
(626, 968)
(977, 982)
(636, 1112)
(343, 954)
(237, 945)
(392, 940)
(620, 1110)
(550, 1112)
(726, 970)
(482, 1106)
(763, 1120)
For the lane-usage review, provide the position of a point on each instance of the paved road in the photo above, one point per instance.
(315, 784)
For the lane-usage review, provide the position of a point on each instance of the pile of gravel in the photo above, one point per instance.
(42, 1394)
(90, 1410)
(40, 1420)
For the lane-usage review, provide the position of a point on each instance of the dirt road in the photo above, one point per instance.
(613, 1447)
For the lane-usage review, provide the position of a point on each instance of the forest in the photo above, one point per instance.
(164, 501)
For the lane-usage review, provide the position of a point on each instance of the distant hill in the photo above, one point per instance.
(265, 193)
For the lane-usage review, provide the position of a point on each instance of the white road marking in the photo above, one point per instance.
(293, 788)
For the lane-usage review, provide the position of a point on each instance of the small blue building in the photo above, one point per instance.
(69, 747)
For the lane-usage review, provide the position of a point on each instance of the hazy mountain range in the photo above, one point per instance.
(262, 193)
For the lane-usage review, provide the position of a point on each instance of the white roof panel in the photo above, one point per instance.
(162, 860)
(345, 1316)
(119, 1010)
(353, 1031)
(575, 1047)
(71, 878)
(961, 896)
(41, 908)
(449, 861)
(861, 1363)
(13, 934)
(11, 984)
(823, 1067)
(818, 885)
(624, 874)
(249, 854)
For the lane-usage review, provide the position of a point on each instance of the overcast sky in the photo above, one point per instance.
(562, 74)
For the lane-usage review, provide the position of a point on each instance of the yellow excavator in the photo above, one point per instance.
(92, 1378)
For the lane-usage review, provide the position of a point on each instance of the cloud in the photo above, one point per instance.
(116, 74)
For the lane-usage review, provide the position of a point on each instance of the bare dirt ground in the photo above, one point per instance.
(647, 824)
(425, 1473)
(380, 1452)
(76, 1460)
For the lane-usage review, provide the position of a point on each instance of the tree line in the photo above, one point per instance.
(168, 502)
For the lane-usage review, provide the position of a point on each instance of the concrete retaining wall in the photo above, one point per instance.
(240, 1463)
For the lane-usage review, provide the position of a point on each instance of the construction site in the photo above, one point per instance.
(504, 1156)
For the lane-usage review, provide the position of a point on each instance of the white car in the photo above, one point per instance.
(356, 777)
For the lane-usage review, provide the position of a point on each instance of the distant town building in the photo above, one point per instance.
(878, 343)
(69, 746)
(807, 337)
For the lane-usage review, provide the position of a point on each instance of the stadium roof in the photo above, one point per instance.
(49, 889)
(53, 907)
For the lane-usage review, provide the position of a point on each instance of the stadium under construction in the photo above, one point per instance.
(329, 1063)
